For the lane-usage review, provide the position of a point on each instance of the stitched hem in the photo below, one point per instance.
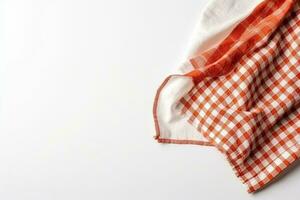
(178, 141)
(157, 128)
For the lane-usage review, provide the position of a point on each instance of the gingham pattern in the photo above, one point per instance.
(246, 100)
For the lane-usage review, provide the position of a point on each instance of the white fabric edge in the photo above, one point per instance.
(216, 20)
(172, 124)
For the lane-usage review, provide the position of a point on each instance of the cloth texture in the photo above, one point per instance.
(241, 94)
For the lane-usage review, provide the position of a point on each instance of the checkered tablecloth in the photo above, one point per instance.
(245, 100)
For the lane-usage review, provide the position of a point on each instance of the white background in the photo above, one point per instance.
(77, 82)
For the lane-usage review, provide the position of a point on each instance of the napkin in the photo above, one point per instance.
(239, 88)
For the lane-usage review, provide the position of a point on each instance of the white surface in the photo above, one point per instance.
(77, 82)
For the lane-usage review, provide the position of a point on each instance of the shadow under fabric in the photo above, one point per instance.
(239, 88)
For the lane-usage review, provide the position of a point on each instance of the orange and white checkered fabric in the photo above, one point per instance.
(246, 97)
